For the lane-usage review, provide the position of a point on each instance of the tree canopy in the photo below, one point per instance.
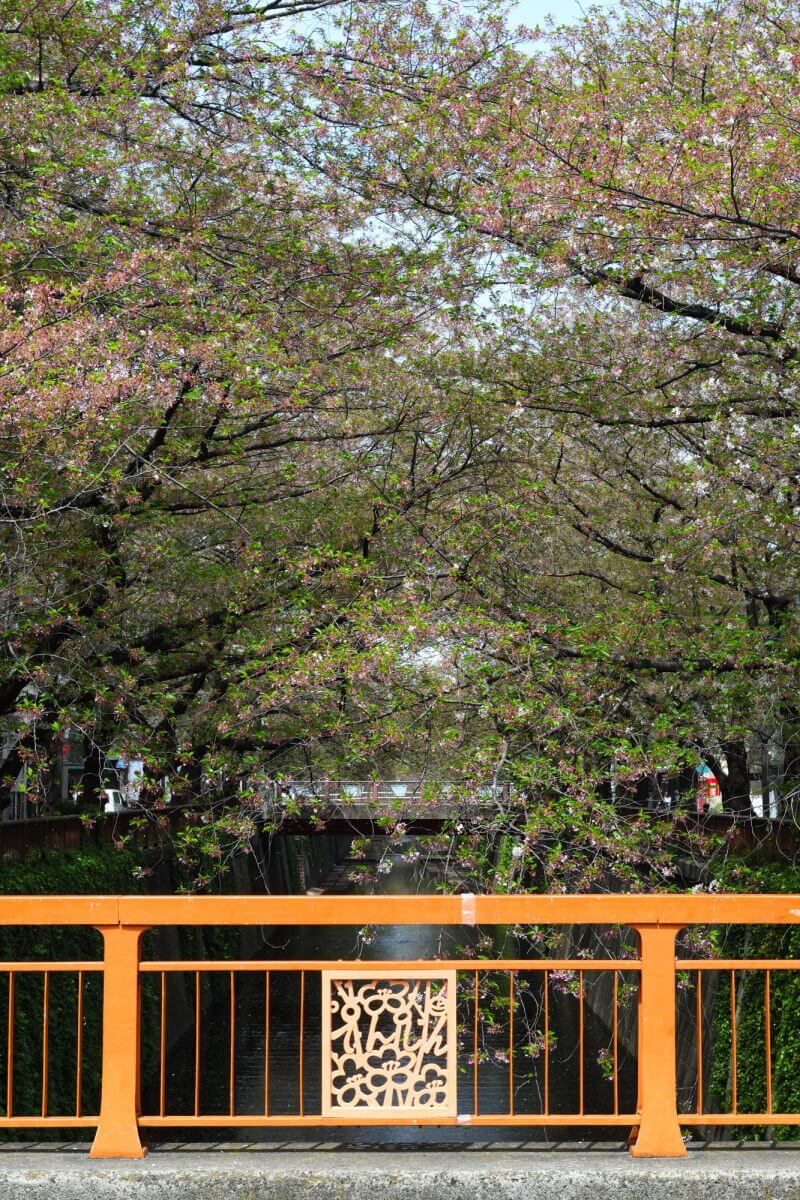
(381, 383)
(630, 178)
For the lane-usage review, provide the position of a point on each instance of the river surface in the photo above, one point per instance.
(397, 942)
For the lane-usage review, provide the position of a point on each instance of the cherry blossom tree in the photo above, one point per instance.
(630, 180)
(220, 403)
(380, 384)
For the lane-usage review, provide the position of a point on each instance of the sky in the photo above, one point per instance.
(532, 11)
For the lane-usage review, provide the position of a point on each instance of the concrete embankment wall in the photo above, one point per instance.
(411, 1175)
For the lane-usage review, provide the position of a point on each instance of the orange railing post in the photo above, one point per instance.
(659, 1134)
(118, 1128)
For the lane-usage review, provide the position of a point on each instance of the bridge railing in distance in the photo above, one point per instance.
(388, 1043)
(399, 795)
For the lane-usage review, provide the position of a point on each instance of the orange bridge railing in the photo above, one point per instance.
(385, 1043)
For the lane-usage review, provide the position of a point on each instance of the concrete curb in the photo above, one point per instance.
(309, 1174)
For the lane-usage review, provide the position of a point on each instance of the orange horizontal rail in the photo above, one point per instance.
(737, 964)
(453, 964)
(41, 965)
(740, 1118)
(602, 909)
(48, 1122)
(656, 919)
(59, 910)
(225, 1120)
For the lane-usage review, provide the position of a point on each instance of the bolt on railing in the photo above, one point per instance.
(391, 1038)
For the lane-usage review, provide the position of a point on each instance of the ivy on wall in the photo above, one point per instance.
(757, 941)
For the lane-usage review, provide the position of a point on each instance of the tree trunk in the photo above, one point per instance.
(735, 783)
(92, 777)
(788, 782)
(765, 778)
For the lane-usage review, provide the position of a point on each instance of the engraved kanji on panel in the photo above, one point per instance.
(388, 1043)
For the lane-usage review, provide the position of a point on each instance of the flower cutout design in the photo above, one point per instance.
(390, 1044)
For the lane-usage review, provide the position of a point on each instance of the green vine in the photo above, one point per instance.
(756, 941)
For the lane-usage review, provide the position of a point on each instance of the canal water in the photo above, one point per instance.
(498, 1086)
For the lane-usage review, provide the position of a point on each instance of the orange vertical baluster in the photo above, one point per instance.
(45, 1039)
(197, 999)
(266, 1043)
(546, 1044)
(511, 1042)
(476, 1008)
(162, 1076)
(734, 1082)
(302, 1033)
(10, 1043)
(699, 1022)
(580, 1043)
(79, 1049)
(138, 1087)
(768, 1038)
(615, 1043)
(232, 1059)
(659, 1132)
(118, 1131)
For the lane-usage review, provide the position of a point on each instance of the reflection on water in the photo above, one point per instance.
(282, 1078)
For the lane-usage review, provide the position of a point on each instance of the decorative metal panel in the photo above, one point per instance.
(388, 1043)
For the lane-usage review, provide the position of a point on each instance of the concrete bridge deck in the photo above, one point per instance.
(234, 1171)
